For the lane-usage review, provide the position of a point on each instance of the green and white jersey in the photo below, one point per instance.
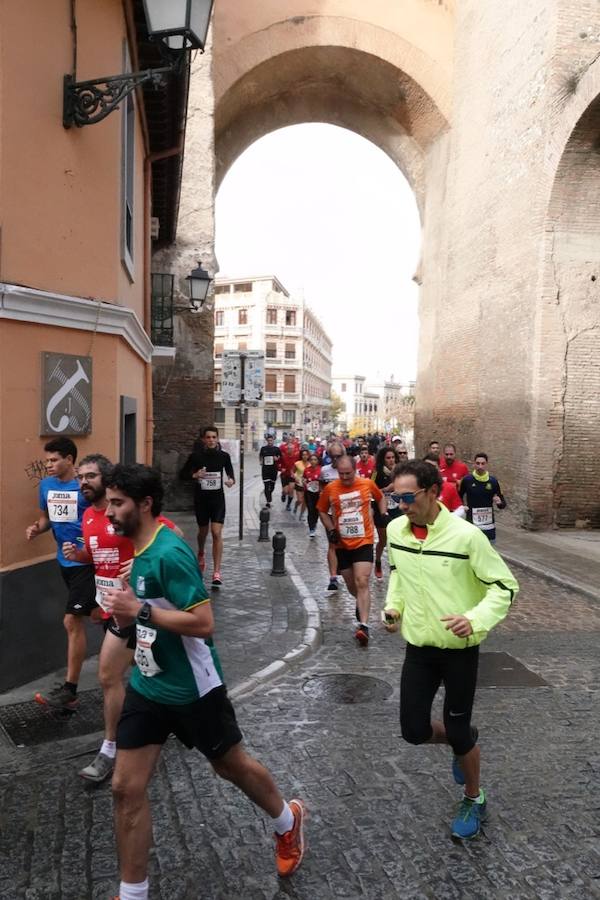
(171, 668)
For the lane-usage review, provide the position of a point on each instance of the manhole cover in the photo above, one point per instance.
(28, 724)
(347, 688)
(503, 670)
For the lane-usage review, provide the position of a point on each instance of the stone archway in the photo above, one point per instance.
(385, 73)
(565, 467)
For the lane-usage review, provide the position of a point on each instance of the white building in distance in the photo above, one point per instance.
(371, 406)
(258, 313)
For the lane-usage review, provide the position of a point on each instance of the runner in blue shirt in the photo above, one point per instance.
(61, 508)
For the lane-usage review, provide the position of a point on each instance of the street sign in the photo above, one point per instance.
(231, 378)
(254, 383)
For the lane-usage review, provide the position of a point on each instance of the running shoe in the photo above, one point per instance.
(312, 533)
(362, 635)
(60, 697)
(332, 586)
(289, 847)
(471, 813)
(378, 569)
(100, 769)
(457, 772)
(216, 582)
(201, 562)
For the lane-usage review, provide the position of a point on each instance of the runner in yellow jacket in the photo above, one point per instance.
(448, 588)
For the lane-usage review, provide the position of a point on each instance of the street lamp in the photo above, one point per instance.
(179, 26)
(199, 282)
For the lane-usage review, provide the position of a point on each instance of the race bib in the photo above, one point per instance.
(62, 506)
(211, 481)
(351, 525)
(312, 486)
(483, 516)
(268, 460)
(103, 585)
(144, 656)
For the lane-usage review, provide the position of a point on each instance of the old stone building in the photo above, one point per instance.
(492, 111)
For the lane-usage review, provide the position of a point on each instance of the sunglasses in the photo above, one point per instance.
(407, 498)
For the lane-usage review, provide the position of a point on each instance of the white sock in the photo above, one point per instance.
(137, 891)
(284, 821)
(479, 799)
(109, 748)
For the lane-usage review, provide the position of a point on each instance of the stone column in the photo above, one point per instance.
(183, 391)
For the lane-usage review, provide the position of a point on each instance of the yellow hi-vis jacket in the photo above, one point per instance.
(454, 571)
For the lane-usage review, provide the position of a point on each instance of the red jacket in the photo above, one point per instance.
(454, 473)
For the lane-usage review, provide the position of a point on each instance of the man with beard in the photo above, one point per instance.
(451, 468)
(177, 686)
(206, 465)
(111, 555)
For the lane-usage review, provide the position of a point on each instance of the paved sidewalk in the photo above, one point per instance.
(565, 557)
(379, 809)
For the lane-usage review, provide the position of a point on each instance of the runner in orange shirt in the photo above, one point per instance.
(350, 529)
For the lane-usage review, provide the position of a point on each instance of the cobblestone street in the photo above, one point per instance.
(379, 809)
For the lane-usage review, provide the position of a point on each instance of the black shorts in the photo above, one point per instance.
(269, 474)
(208, 724)
(286, 479)
(209, 508)
(424, 670)
(382, 521)
(346, 558)
(127, 633)
(81, 586)
(299, 488)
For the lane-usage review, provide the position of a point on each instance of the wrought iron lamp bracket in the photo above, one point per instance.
(88, 102)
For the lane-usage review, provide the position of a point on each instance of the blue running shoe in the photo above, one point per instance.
(471, 813)
(457, 772)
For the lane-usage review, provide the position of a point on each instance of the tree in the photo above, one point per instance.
(401, 414)
(338, 408)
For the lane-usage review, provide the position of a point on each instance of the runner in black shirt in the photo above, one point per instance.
(207, 465)
(268, 456)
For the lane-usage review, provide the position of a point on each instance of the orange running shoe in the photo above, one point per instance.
(289, 847)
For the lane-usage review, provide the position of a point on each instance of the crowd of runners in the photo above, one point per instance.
(128, 567)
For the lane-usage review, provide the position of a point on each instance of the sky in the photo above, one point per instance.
(331, 216)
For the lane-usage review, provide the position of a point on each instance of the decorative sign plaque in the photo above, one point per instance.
(66, 394)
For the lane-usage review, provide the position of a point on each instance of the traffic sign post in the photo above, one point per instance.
(242, 385)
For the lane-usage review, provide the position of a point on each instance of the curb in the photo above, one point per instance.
(550, 575)
(311, 641)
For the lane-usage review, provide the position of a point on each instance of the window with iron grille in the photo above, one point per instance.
(271, 350)
(162, 309)
(219, 415)
(242, 316)
(270, 416)
(271, 315)
(289, 417)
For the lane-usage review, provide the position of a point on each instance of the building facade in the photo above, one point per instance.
(372, 406)
(76, 206)
(260, 314)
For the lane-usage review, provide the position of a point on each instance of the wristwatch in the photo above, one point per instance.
(145, 613)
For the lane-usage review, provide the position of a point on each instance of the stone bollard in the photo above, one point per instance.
(264, 516)
(278, 554)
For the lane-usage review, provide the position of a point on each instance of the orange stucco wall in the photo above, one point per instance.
(116, 371)
(60, 191)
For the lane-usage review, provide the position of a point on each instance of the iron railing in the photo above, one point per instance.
(162, 309)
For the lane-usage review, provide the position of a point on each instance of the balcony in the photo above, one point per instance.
(162, 324)
(281, 397)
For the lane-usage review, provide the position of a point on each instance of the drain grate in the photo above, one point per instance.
(346, 688)
(29, 724)
(498, 669)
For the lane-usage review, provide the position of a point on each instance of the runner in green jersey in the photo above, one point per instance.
(177, 687)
